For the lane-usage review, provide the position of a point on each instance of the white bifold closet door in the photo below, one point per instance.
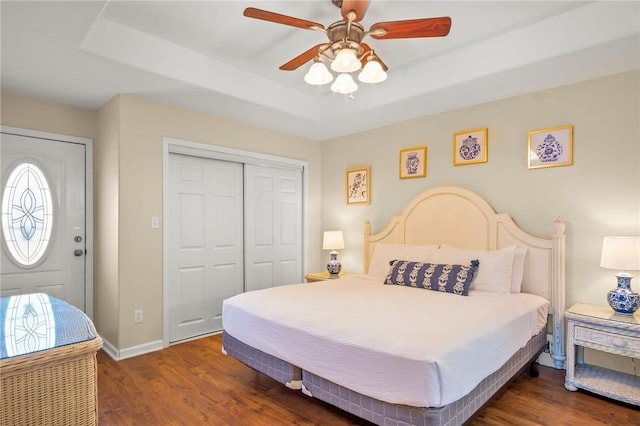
(205, 237)
(273, 227)
(232, 227)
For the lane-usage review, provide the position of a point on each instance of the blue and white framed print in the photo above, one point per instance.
(470, 147)
(550, 147)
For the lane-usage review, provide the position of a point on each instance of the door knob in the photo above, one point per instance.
(77, 252)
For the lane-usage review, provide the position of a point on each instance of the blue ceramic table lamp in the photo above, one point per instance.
(333, 241)
(623, 254)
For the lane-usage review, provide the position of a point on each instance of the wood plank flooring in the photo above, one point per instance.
(193, 383)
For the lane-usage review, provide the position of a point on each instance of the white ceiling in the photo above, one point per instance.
(206, 56)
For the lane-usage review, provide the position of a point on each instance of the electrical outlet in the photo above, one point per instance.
(137, 315)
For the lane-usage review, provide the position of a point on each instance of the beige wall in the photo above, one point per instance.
(106, 223)
(52, 117)
(599, 195)
(142, 127)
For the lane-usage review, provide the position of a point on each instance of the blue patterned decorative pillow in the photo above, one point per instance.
(454, 279)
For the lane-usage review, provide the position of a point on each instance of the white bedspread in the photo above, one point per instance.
(397, 344)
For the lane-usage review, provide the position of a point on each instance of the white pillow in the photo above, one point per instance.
(495, 270)
(518, 269)
(383, 253)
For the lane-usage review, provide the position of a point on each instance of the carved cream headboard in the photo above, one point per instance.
(461, 218)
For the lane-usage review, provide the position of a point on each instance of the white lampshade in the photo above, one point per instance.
(318, 74)
(346, 61)
(621, 253)
(332, 240)
(344, 84)
(372, 73)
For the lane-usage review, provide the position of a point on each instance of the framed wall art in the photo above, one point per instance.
(413, 162)
(550, 147)
(470, 147)
(358, 185)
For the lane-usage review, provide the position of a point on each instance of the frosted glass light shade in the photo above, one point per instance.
(318, 74)
(621, 253)
(344, 84)
(332, 240)
(346, 61)
(372, 73)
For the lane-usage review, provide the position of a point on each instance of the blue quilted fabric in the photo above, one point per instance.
(454, 279)
(36, 322)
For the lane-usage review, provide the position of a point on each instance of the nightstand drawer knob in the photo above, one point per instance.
(619, 343)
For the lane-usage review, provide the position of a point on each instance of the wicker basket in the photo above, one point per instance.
(52, 387)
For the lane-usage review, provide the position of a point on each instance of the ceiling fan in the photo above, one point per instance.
(345, 49)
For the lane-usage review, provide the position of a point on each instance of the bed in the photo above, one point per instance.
(380, 347)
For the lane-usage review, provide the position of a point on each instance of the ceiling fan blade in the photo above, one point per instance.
(359, 7)
(427, 27)
(304, 57)
(264, 15)
(367, 51)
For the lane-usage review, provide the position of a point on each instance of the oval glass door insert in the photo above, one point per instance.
(27, 214)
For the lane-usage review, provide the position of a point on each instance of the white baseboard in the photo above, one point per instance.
(120, 354)
(109, 349)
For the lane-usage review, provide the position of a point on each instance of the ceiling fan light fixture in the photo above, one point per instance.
(344, 48)
(318, 74)
(346, 60)
(344, 84)
(372, 72)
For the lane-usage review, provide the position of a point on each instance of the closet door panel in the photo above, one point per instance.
(205, 242)
(273, 227)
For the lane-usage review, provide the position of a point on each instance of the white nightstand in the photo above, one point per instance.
(600, 328)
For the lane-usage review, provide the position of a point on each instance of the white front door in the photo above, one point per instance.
(43, 218)
(273, 226)
(205, 242)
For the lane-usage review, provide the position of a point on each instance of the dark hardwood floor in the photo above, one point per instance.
(193, 383)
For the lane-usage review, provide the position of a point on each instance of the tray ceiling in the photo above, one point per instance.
(205, 56)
